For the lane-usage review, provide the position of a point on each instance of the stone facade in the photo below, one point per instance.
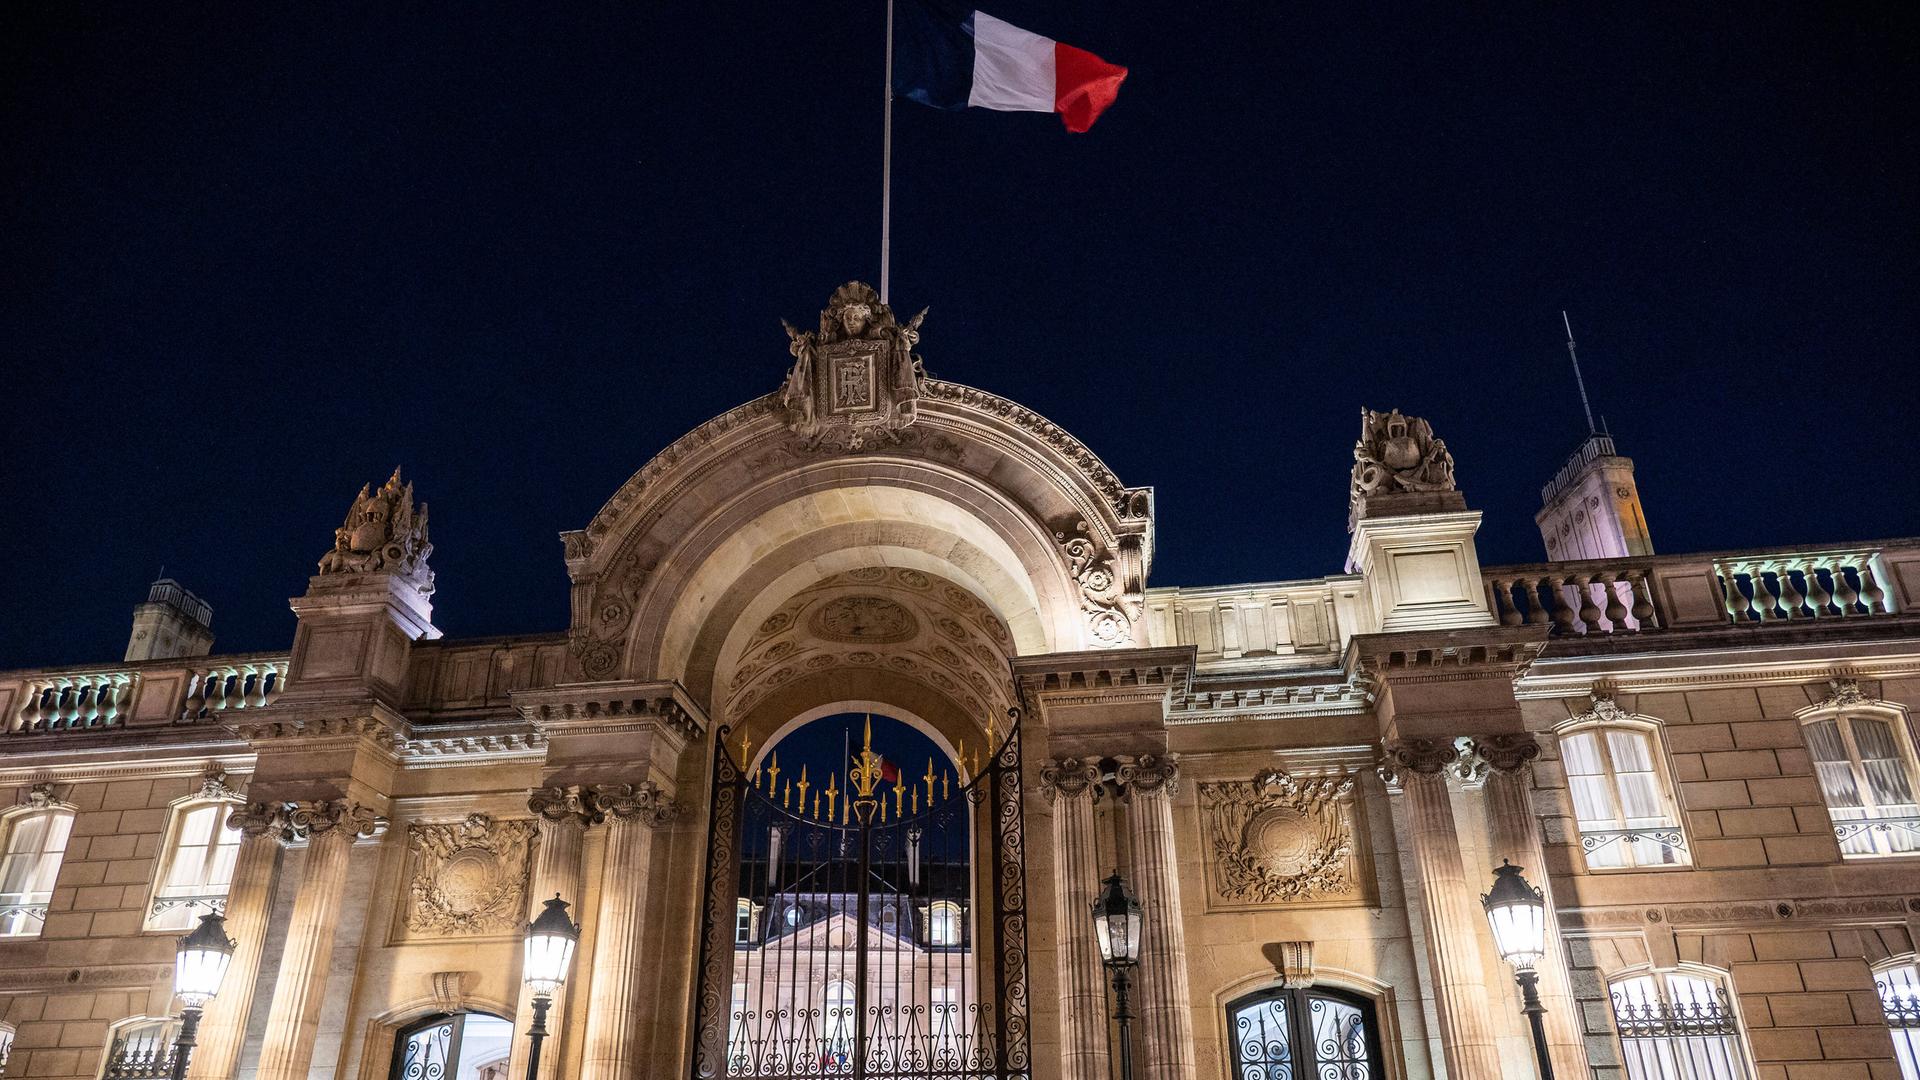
(1307, 782)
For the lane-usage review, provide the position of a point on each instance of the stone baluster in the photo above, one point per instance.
(262, 828)
(1642, 598)
(1451, 916)
(1616, 608)
(1843, 589)
(1874, 597)
(28, 716)
(196, 702)
(1557, 609)
(88, 702)
(279, 680)
(1764, 601)
(1147, 785)
(1790, 598)
(562, 815)
(1818, 598)
(1514, 830)
(286, 1051)
(1070, 786)
(616, 1048)
(70, 692)
(257, 697)
(1589, 608)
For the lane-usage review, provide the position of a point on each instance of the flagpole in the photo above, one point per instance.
(886, 169)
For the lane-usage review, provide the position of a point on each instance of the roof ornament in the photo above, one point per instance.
(385, 533)
(1395, 454)
(855, 381)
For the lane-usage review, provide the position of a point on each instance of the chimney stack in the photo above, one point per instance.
(172, 623)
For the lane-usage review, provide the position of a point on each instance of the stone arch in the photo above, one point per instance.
(382, 1031)
(726, 524)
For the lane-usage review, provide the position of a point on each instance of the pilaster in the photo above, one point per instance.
(330, 829)
(1147, 785)
(562, 815)
(633, 813)
(249, 901)
(1071, 785)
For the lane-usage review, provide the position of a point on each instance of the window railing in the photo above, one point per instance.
(23, 919)
(211, 903)
(1901, 832)
(1659, 1018)
(1667, 836)
(144, 1061)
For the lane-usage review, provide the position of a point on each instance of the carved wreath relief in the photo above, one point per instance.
(469, 877)
(1280, 839)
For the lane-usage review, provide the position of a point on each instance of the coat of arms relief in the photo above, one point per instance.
(855, 381)
(467, 878)
(1281, 839)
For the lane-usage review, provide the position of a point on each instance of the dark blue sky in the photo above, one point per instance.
(257, 254)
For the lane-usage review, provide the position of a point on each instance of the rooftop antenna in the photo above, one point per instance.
(1575, 357)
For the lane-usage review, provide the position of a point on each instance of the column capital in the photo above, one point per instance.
(643, 802)
(255, 820)
(1507, 753)
(318, 817)
(1069, 778)
(1419, 759)
(560, 805)
(1146, 774)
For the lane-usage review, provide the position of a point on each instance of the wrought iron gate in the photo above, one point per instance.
(883, 940)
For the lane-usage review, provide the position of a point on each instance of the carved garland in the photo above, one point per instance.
(1279, 839)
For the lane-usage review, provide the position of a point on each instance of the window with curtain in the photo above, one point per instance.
(1899, 986)
(943, 923)
(1323, 1034)
(197, 868)
(1622, 801)
(1866, 770)
(1678, 1025)
(35, 843)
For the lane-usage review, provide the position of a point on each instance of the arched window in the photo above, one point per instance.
(1864, 759)
(35, 842)
(1898, 981)
(460, 1046)
(139, 1046)
(1622, 796)
(943, 923)
(838, 1026)
(1678, 1025)
(196, 867)
(1320, 1033)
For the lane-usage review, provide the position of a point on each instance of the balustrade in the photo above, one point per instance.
(1809, 585)
(1574, 598)
(81, 701)
(233, 686)
(63, 702)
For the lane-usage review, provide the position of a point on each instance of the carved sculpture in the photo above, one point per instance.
(384, 534)
(1278, 838)
(469, 877)
(856, 379)
(643, 802)
(1110, 607)
(1396, 453)
(1146, 774)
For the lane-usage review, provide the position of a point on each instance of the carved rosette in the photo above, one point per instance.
(1280, 839)
(643, 802)
(1069, 778)
(1147, 774)
(468, 877)
(306, 820)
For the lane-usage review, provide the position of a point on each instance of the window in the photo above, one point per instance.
(1621, 798)
(139, 1047)
(1677, 1025)
(943, 923)
(1320, 1033)
(836, 1051)
(1899, 984)
(743, 922)
(35, 841)
(463, 1046)
(1866, 771)
(198, 868)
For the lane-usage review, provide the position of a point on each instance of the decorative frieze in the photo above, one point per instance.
(1280, 839)
(467, 877)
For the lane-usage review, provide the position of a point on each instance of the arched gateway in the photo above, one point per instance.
(865, 539)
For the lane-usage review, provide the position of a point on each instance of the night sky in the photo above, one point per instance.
(257, 254)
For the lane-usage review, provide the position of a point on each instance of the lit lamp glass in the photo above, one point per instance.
(1518, 915)
(201, 962)
(551, 939)
(1116, 923)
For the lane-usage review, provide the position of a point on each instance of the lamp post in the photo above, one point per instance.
(550, 942)
(199, 964)
(1518, 914)
(1116, 926)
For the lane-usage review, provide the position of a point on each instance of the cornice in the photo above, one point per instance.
(1557, 677)
(610, 708)
(1445, 655)
(1099, 674)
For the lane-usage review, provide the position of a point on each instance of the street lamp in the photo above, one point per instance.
(199, 963)
(1518, 914)
(1116, 925)
(550, 941)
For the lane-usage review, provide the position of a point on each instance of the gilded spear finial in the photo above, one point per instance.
(773, 770)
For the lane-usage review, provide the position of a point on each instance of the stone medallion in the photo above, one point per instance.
(864, 620)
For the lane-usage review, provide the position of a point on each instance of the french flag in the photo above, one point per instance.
(951, 58)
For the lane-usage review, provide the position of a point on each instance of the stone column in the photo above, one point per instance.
(617, 1044)
(1165, 1005)
(563, 815)
(1454, 921)
(330, 829)
(1070, 785)
(1514, 830)
(249, 898)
